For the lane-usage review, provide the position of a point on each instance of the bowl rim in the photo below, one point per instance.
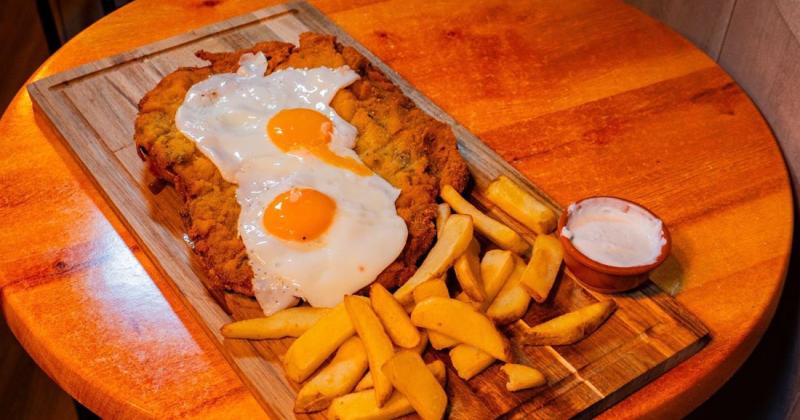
(610, 269)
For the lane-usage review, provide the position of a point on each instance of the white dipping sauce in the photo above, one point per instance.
(614, 232)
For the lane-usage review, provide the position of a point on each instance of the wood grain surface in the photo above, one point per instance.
(758, 43)
(93, 108)
(581, 97)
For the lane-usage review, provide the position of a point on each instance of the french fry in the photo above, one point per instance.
(512, 300)
(468, 272)
(454, 241)
(522, 377)
(496, 267)
(441, 341)
(393, 316)
(409, 375)
(361, 405)
(436, 367)
(334, 380)
(565, 329)
(542, 269)
(423, 343)
(408, 307)
(497, 232)
(442, 213)
(290, 322)
(378, 345)
(463, 323)
(434, 287)
(469, 361)
(462, 297)
(520, 205)
(314, 346)
(366, 381)
(438, 370)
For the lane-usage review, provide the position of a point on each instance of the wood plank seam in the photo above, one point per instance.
(725, 33)
(574, 371)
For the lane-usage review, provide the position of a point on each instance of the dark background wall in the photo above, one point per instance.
(23, 50)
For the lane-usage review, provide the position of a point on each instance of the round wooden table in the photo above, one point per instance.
(584, 97)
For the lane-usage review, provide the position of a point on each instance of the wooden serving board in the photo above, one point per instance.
(93, 108)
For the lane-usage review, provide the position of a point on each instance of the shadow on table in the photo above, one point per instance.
(767, 386)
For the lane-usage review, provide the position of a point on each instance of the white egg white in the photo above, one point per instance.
(366, 234)
(226, 115)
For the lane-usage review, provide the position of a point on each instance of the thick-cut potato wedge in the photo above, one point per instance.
(442, 213)
(439, 370)
(454, 241)
(468, 272)
(436, 367)
(565, 329)
(407, 372)
(378, 345)
(542, 270)
(361, 405)
(334, 380)
(496, 267)
(469, 361)
(422, 344)
(463, 323)
(512, 300)
(408, 307)
(434, 287)
(441, 341)
(366, 381)
(314, 346)
(290, 322)
(520, 205)
(522, 377)
(394, 317)
(497, 232)
(462, 297)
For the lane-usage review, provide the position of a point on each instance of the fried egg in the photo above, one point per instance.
(317, 224)
(227, 113)
(315, 231)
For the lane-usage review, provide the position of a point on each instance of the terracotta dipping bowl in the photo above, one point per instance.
(606, 278)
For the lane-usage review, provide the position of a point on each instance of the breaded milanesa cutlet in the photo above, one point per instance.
(410, 149)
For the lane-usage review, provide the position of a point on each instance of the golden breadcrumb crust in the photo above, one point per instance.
(411, 150)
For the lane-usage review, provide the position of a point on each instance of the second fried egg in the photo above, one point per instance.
(315, 231)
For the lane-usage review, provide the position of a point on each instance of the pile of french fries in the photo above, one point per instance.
(375, 344)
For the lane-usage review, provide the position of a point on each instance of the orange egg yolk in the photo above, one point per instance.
(300, 214)
(306, 129)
